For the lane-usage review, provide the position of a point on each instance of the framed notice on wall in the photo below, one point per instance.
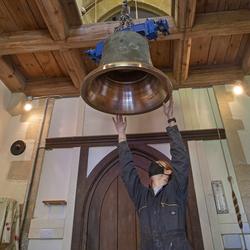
(219, 197)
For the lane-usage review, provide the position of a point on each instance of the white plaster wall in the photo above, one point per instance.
(208, 164)
(11, 129)
(4, 115)
(51, 227)
(240, 108)
(194, 109)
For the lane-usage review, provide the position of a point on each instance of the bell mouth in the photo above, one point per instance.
(126, 88)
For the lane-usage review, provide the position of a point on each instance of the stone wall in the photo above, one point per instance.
(235, 113)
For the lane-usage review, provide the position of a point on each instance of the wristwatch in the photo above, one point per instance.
(171, 120)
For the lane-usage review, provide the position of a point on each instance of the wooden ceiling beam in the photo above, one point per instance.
(11, 77)
(56, 21)
(185, 20)
(74, 65)
(209, 77)
(54, 17)
(197, 78)
(51, 87)
(221, 23)
(85, 36)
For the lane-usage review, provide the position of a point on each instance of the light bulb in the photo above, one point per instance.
(28, 104)
(237, 89)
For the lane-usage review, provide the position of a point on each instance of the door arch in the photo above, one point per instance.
(105, 218)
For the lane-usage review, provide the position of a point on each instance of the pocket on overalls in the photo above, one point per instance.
(170, 216)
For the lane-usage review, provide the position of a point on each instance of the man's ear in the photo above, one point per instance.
(168, 171)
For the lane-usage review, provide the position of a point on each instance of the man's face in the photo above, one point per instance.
(161, 179)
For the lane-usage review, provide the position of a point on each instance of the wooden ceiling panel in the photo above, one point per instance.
(205, 6)
(60, 62)
(49, 64)
(200, 6)
(21, 14)
(218, 49)
(7, 23)
(221, 6)
(161, 54)
(233, 49)
(244, 4)
(199, 51)
(233, 4)
(36, 13)
(28, 65)
(89, 64)
(211, 5)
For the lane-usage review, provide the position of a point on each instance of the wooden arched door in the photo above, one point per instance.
(105, 218)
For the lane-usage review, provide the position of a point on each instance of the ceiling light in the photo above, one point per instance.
(28, 104)
(238, 89)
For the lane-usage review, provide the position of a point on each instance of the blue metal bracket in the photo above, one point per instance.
(149, 29)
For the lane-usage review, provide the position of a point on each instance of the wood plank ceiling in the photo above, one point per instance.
(42, 44)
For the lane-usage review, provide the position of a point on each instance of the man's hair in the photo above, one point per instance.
(164, 164)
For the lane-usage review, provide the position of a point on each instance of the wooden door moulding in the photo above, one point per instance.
(107, 140)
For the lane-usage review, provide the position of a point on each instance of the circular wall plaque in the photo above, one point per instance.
(18, 147)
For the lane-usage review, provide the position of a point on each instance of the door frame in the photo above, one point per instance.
(85, 142)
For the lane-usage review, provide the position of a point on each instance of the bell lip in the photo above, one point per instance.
(126, 65)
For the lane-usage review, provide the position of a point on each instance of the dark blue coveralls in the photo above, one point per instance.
(161, 216)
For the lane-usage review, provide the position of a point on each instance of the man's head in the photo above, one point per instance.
(160, 173)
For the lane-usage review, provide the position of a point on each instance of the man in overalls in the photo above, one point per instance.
(161, 207)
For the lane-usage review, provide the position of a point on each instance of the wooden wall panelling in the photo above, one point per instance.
(21, 12)
(49, 64)
(200, 50)
(149, 138)
(29, 66)
(218, 49)
(7, 23)
(233, 49)
(54, 17)
(50, 87)
(72, 12)
(11, 77)
(74, 65)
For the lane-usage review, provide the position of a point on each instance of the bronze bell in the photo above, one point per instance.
(126, 81)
